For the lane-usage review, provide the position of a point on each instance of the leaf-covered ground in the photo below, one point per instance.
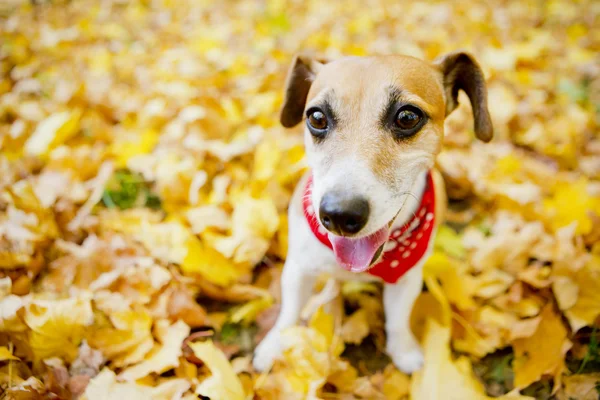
(144, 181)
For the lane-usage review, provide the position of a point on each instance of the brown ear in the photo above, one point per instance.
(461, 71)
(300, 76)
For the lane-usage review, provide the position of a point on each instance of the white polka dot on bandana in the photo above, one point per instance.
(413, 246)
(422, 213)
(406, 254)
(429, 216)
(390, 245)
(394, 263)
(419, 235)
(396, 233)
(406, 243)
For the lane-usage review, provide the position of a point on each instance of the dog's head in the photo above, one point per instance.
(373, 126)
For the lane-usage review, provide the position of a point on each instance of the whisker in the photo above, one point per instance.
(408, 193)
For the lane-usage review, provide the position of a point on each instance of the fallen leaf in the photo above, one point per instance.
(580, 387)
(223, 382)
(442, 377)
(105, 387)
(54, 130)
(164, 357)
(543, 352)
(127, 341)
(58, 327)
(5, 354)
(356, 327)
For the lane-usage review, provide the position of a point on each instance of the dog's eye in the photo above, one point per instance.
(317, 120)
(407, 121)
(408, 118)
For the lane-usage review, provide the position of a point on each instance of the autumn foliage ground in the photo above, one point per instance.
(144, 181)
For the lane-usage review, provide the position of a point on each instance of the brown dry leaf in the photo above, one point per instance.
(580, 387)
(181, 305)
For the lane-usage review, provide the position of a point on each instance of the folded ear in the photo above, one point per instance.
(461, 71)
(300, 76)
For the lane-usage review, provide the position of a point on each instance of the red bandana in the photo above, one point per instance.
(406, 245)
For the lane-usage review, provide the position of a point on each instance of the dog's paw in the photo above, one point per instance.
(408, 361)
(267, 351)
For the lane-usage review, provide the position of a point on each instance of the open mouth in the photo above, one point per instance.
(359, 254)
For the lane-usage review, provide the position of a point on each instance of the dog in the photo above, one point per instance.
(370, 203)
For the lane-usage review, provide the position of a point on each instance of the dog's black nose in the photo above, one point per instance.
(343, 216)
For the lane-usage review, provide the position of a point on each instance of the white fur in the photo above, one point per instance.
(307, 258)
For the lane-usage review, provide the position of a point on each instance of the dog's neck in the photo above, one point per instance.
(412, 203)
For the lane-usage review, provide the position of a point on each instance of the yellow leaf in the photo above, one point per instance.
(248, 312)
(543, 352)
(143, 144)
(396, 385)
(309, 357)
(492, 283)
(266, 158)
(172, 241)
(57, 327)
(438, 264)
(323, 323)
(257, 217)
(426, 307)
(458, 285)
(5, 354)
(450, 242)
(53, 131)
(586, 308)
(233, 111)
(165, 357)
(565, 291)
(209, 263)
(104, 386)
(355, 287)
(281, 245)
(356, 327)
(223, 382)
(443, 378)
(128, 341)
(570, 203)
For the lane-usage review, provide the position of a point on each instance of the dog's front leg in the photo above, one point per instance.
(398, 301)
(296, 289)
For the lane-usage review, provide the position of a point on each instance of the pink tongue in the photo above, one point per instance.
(355, 255)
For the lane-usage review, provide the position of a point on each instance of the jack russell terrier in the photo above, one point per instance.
(370, 204)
